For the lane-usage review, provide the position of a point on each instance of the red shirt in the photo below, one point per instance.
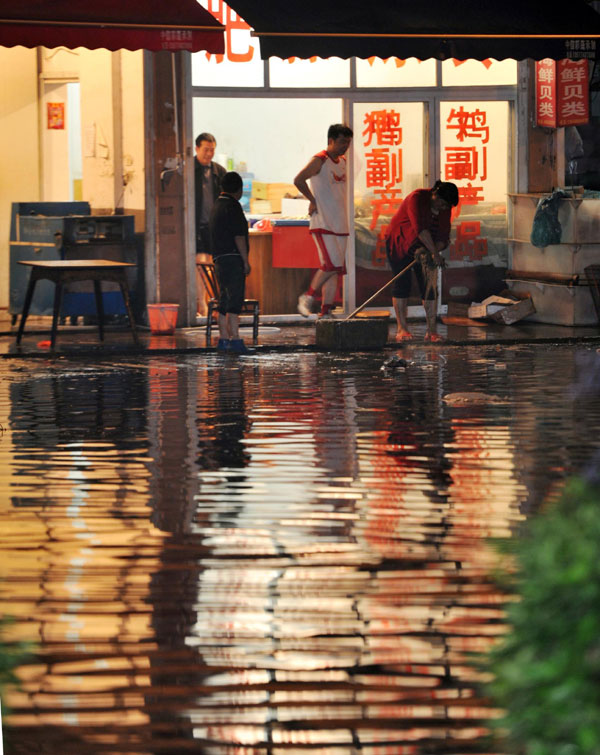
(413, 216)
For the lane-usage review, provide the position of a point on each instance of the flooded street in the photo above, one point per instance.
(282, 553)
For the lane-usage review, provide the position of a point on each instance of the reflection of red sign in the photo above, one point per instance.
(56, 115)
(562, 93)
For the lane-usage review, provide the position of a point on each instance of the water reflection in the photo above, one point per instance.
(273, 553)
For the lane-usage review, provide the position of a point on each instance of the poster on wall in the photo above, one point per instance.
(56, 115)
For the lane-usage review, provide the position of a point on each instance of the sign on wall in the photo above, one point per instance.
(561, 92)
(56, 115)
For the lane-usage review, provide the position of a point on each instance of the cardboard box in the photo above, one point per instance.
(276, 192)
(259, 190)
(514, 312)
(489, 306)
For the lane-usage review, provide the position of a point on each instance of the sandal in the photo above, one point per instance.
(404, 336)
(433, 338)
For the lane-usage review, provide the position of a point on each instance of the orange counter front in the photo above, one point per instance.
(283, 261)
(276, 285)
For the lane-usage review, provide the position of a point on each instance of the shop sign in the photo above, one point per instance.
(562, 92)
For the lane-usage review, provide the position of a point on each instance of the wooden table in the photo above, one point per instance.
(63, 272)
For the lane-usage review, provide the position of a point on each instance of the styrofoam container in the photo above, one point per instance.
(557, 304)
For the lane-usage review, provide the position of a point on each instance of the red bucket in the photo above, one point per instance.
(162, 318)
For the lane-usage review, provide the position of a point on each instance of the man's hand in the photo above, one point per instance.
(247, 268)
(312, 208)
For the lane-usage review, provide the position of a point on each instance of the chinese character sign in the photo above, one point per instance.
(388, 158)
(562, 92)
(573, 92)
(474, 156)
(545, 93)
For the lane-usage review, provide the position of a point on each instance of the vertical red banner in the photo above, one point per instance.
(573, 92)
(546, 106)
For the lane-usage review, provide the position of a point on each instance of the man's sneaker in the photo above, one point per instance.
(237, 346)
(223, 344)
(305, 304)
(326, 316)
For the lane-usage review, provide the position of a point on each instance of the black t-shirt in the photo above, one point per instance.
(227, 220)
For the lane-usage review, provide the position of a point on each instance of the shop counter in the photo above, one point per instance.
(277, 286)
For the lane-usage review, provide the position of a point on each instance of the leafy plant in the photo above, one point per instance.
(547, 669)
(12, 654)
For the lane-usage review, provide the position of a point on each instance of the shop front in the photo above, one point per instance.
(414, 121)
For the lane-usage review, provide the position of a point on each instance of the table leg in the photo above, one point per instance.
(99, 308)
(56, 311)
(26, 305)
(125, 292)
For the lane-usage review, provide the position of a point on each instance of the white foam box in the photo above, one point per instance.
(565, 259)
(579, 219)
(556, 304)
(294, 208)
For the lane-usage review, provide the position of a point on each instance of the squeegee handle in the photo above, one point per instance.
(376, 294)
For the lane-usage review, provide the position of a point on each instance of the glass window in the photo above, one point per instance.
(479, 72)
(271, 139)
(388, 164)
(315, 72)
(394, 72)
(474, 155)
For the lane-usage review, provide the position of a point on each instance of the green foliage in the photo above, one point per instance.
(12, 654)
(547, 669)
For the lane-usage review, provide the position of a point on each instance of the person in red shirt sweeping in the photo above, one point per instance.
(420, 228)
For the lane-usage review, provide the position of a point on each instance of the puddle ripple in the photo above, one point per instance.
(276, 555)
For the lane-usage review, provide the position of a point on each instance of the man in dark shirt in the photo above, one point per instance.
(229, 242)
(207, 181)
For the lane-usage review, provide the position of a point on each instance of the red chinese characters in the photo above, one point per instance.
(382, 140)
(232, 22)
(562, 92)
(466, 159)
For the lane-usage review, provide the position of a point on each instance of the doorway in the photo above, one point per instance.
(62, 169)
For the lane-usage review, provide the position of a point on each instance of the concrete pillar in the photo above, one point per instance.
(170, 270)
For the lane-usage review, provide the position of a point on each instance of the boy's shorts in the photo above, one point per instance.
(232, 283)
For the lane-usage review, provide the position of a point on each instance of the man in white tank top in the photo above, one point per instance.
(328, 210)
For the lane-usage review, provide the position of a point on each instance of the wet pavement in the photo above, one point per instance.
(286, 552)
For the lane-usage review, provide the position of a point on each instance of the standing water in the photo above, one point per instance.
(275, 554)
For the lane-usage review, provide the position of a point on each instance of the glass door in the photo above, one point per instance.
(389, 162)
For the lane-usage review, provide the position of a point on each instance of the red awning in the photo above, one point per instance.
(111, 24)
(441, 29)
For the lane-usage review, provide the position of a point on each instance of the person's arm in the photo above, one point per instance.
(241, 243)
(419, 215)
(300, 182)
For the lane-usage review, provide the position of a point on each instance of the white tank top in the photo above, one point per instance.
(329, 189)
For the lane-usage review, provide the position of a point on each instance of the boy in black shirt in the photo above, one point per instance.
(229, 235)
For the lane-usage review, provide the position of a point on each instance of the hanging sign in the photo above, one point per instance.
(561, 92)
